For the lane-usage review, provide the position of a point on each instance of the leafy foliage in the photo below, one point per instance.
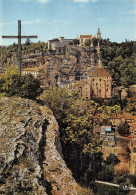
(112, 159)
(76, 42)
(120, 61)
(87, 42)
(107, 171)
(12, 83)
(30, 87)
(123, 129)
(75, 116)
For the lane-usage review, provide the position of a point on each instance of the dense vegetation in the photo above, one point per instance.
(12, 83)
(120, 60)
(77, 118)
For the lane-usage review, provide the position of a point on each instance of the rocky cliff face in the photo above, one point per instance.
(72, 64)
(31, 160)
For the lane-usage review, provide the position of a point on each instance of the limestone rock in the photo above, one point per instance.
(31, 160)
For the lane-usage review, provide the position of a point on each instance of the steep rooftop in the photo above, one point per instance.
(99, 71)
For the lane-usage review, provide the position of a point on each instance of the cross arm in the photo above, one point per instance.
(27, 37)
(12, 37)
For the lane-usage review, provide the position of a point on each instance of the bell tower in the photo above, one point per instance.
(99, 35)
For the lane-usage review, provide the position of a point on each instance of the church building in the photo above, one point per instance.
(100, 81)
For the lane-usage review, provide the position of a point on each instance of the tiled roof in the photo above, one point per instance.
(86, 36)
(99, 71)
(125, 116)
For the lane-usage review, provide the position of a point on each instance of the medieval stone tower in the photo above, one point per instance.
(98, 35)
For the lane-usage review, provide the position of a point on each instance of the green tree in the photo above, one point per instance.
(88, 42)
(28, 42)
(79, 123)
(77, 118)
(76, 42)
(12, 83)
(30, 87)
(128, 73)
(123, 129)
(106, 173)
(59, 100)
(112, 159)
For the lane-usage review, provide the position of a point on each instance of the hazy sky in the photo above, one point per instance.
(54, 18)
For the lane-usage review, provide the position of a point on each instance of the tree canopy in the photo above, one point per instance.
(119, 58)
(12, 83)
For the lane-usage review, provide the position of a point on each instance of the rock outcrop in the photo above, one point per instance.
(57, 67)
(31, 161)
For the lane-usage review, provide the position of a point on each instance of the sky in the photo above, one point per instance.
(50, 19)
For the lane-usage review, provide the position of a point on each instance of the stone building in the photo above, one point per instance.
(83, 38)
(59, 43)
(101, 82)
(97, 85)
(33, 71)
(83, 89)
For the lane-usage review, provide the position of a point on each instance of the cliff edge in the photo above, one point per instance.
(31, 161)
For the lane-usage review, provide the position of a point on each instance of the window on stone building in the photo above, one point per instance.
(107, 89)
(93, 80)
(100, 80)
(96, 84)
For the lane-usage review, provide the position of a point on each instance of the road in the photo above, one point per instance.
(112, 184)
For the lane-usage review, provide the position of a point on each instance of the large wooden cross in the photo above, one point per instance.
(19, 37)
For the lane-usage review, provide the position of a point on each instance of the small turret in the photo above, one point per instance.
(99, 35)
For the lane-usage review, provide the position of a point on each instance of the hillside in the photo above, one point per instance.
(75, 62)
